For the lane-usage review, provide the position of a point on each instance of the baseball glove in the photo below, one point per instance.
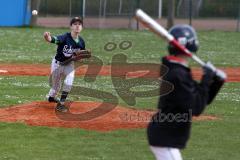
(82, 54)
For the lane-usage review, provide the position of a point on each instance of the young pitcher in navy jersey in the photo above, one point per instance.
(68, 44)
(169, 129)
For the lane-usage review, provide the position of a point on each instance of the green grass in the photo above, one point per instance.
(24, 89)
(210, 140)
(220, 47)
(42, 143)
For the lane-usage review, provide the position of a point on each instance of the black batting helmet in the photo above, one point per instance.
(186, 36)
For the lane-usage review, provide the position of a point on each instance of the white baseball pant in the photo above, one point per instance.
(166, 153)
(57, 73)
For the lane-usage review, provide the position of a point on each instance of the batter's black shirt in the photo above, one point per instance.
(67, 46)
(170, 126)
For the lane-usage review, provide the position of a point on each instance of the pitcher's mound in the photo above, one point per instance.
(43, 114)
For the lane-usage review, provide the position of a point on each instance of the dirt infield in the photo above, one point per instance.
(43, 114)
(44, 70)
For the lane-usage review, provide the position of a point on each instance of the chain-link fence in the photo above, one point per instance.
(202, 14)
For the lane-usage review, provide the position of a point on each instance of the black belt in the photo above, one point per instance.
(62, 63)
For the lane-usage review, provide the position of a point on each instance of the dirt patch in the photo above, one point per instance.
(44, 70)
(43, 114)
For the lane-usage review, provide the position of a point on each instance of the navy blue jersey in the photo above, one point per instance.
(171, 125)
(67, 46)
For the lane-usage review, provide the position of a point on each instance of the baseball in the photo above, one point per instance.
(34, 12)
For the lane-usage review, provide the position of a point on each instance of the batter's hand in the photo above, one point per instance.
(220, 74)
(208, 72)
(47, 36)
(210, 66)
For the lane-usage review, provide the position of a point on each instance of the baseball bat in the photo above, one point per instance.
(148, 22)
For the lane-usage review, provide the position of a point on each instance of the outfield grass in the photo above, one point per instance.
(220, 47)
(210, 139)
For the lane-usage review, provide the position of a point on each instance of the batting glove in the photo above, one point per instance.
(210, 66)
(209, 69)
(208, 72)
(220, 74)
